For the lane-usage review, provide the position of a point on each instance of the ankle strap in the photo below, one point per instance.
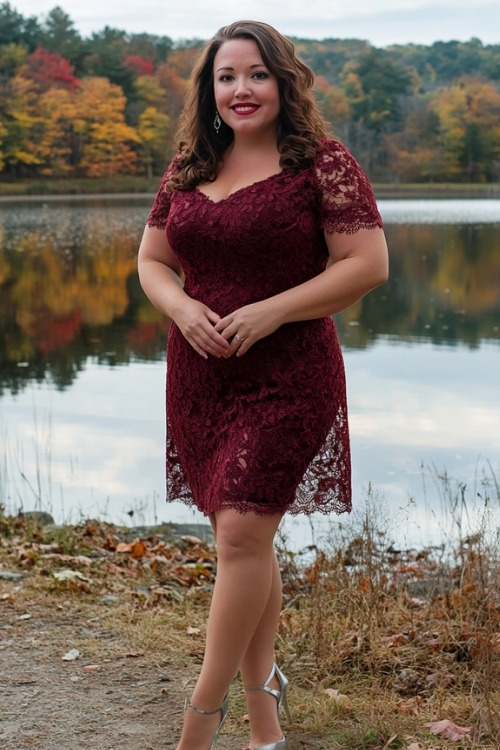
(265, 685)
(202, 711)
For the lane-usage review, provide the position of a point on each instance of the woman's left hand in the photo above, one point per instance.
(246, 325)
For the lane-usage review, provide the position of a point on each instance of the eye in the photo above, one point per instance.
(260, 75)
(225, 77)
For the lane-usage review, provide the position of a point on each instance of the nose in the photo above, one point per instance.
(242, 87)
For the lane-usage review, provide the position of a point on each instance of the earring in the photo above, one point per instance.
(217, 121)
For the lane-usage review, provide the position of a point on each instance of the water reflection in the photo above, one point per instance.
(82, 350)
(69, 289)
(444, 287)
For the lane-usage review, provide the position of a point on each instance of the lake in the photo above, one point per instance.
(82, 370)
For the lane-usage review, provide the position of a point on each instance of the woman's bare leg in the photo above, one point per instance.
(245, 584)
(256, 666)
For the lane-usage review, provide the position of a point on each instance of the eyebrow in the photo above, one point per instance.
(228, 67)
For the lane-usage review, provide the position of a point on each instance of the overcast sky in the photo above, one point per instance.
(381, 22)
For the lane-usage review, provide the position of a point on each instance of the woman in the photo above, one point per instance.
(273, 227)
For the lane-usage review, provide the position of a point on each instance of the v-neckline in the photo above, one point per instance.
(241, 189)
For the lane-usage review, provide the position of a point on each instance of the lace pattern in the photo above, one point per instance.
(267, 432)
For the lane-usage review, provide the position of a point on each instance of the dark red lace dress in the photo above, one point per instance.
(266, 432)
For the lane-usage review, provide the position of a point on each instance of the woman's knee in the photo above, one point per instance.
(245, 535)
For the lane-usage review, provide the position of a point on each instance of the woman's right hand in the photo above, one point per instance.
(196, 322)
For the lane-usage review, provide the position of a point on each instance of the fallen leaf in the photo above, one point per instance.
(411, 706)
(138, 549)
(396, 639)
(443, 679)
(193, 631)
(69, 575)
(335, 695)
(71, 559)
(448, 729)
(24, 617)
(92, 667)
(71, 655)
(415, 746)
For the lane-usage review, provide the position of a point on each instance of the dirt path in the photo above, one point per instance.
(123, 603)
(112, 696)
(128, 699)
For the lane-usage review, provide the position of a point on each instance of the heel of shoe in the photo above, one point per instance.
(283, 698)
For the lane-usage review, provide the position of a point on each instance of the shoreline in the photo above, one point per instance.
(416, 191)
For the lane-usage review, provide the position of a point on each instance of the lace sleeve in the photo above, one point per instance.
(347, 199)
(161, 206)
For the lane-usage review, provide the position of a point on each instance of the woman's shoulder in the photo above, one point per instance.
(332, 150)
(173, 167)
(347, 198)
(161, 205)
(336, 165)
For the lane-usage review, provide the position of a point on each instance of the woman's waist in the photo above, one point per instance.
(224, 296)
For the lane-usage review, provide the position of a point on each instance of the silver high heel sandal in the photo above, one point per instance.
(281, 700)
(223, 714)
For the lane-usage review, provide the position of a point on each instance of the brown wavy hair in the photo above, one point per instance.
(300, 125)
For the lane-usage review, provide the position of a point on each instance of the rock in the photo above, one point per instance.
(9, 575)
(40, 516)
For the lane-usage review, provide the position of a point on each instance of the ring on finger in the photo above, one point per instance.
(237, 337)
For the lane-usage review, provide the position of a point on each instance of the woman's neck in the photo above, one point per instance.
(244, 150)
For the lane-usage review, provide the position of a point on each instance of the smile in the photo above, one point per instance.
(245, 109)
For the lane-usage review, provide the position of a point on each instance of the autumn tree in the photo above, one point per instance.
(155, 137)
(382, 83)
(174, 90)
(59, 142)
(148, 113)
(181, 60)
(106, 52)
(50, 70)
(150, 46)
(107, 139)
(59, 35)
(413, 153)
(469, 117)
(333, 103)
(12, 58)
(3, 134)
(138, 65)
(147, 93)
(19, 121)
(408, 112)
(84, 132)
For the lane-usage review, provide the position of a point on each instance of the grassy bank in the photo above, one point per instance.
(134, 185)
(437, 190)
(384, 648)
(77, 187)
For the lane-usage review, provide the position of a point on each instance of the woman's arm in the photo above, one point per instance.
(160, 277)
(359, 264)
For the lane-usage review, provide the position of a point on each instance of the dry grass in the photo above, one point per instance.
(376, 642)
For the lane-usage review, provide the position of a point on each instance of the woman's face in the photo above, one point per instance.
(246, 92)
